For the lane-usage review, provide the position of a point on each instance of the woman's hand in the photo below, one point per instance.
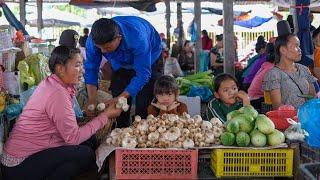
(244, 98)
(112, 111)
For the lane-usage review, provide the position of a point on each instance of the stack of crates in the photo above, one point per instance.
(252, 162)
(309, 154)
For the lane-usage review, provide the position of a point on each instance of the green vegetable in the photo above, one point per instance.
(233, 126)
(276, 138)
(264, 124)
(244, 124)
(227, 138)
(249, 110)
(243, 139)
(258, 139)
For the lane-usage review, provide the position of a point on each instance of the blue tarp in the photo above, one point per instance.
(304, 34)
(12, 19)
(253, 22)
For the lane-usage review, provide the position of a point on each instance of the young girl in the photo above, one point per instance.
(166, 92)
(227, 97)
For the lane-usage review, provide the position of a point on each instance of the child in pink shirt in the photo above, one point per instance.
(45, 142)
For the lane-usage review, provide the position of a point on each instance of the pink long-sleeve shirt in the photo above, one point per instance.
(48, 120)
(255, 90)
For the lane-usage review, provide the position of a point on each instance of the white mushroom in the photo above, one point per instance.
(150, 116)
(216, 122)
(125, 107)
(190, 121)
(143, 126)
(129, 142)
(188, 143)
(142, 139)
(209, 138)
(186, 115)
(127, 130)
(172, 134)
(206, 125)
(137, 118)
(152, 128)
(153, 137)
(101, 106)
(185, 132)
(121, 102)
(91, 107)
(177, 144)
(162, 129)
(197, 118)
(115, 132)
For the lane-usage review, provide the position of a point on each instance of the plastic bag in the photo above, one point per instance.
(295, 132)
(39, 67)
(26, 79)
(204, 93)
(308, 115)
(172, 67)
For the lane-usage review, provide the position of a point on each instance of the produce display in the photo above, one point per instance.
(245, 126)
(198, 79)
(168, 131)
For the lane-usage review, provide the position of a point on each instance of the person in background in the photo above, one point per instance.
(46, 141)
(186, 57)
(261, 50)
(165, 49)
(133, 47)
(83, 39)
(216, 56)
(69, 38)
(166, 92)
(288, 81)
(227, 97)
(255, 90)
(206, 41)
(316, 43)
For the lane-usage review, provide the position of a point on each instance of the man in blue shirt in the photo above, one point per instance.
(133, 47)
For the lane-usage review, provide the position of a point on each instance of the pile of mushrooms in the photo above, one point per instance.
(121, 103)
(168, 131)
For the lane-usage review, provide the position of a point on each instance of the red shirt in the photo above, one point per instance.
(206, 43)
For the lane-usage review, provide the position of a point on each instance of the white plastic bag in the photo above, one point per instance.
(172, 67)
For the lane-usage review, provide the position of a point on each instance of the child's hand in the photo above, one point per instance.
(159, 106)
(244, 98)
(173, 105)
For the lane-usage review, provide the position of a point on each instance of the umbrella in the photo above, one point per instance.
(304, 34)
(53, 23)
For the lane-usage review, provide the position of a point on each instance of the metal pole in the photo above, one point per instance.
(39, 19)
(179, 24)
(228, 37)
(22, 4)
(198, 44)
(168, 25)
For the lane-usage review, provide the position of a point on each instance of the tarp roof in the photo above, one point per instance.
(111, 1)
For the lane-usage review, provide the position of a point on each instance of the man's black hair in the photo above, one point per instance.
(104, 30)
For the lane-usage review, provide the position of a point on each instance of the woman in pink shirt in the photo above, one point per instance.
(255, 91)
(46, 142)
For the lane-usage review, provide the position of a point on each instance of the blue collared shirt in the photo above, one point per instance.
(140, 47)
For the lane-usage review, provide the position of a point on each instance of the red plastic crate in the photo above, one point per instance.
(279, 118)
(156, 164)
